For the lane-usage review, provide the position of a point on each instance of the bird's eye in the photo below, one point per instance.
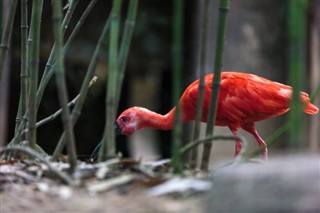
(124, 118)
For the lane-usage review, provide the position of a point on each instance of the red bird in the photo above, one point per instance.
(244, 99)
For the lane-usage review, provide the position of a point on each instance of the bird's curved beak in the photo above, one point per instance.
(117, 129)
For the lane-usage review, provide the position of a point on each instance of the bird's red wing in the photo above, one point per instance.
(244, 98)
(251, 98)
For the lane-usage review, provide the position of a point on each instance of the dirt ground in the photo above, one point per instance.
(288, 183)
(27, 198)
(31, 187)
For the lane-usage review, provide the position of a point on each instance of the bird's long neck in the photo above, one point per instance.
(154, 120)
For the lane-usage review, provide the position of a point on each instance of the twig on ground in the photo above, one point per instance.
(26, 150)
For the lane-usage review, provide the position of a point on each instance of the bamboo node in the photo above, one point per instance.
(4, 46)
(23, 27)
(224, 9)
(131, 23)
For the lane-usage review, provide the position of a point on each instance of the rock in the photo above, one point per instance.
(284, 184)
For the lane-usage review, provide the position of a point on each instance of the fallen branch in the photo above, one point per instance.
(26, 150)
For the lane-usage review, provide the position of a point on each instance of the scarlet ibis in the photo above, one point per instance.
(244, 99)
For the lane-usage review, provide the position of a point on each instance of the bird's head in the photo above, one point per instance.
(129, 121)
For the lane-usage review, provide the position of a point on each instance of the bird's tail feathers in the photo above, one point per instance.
(310, 108)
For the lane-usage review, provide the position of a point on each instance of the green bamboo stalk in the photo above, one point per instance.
(49, 66)
(78, 25)
(6, 37)
(125, 44)
(4, 97)
(61, 83)
(1, 20)
(59, 112)
(177, 51)
(34, 68)
(315, 94)
(23, 101)
(49, 69)
(190, 146)
(221, 28)
(203, 61)
(83, 91)
(5, 70)
(297, 68)
(108, 145)
(66, 20)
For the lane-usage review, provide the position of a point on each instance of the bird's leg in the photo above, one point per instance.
(238, 143)
(251, 128)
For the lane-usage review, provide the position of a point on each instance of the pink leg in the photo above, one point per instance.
(251, 128)
(238, 143)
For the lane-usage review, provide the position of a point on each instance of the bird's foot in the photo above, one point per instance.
(264, 153)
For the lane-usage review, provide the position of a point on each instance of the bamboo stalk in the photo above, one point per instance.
(314, 78)
(83, 91)
(79, 24)
(190, 146)
(5, 70)
(59, 112)
(123, 54)
(34, 68)
(203, 61)
(61, 83)
(6, 37)
(1, 19)
(297, 68)
(125, 44)
(49, 69)
(315, 94)
(177, 50)
(108, 145)
(23, 101)
(221, 28)
(4, 96)
(44, 81)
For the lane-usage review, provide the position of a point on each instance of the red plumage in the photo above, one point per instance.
(244, 99)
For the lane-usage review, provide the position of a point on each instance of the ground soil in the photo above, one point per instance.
(26, 198)
(22, 193)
